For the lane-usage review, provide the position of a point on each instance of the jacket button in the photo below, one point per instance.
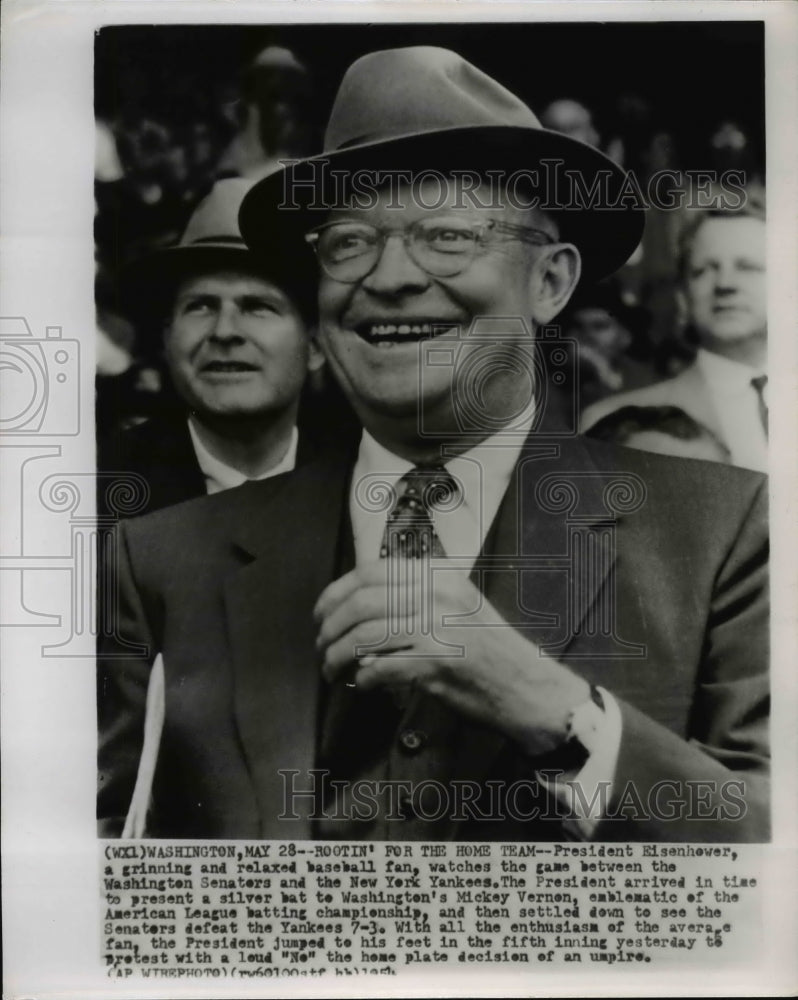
(406, 806)
(412, 740)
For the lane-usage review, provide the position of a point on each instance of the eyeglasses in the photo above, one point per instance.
(441, 246)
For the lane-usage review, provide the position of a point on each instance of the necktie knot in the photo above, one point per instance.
(431, 488)
(420, 493)
(759, 382)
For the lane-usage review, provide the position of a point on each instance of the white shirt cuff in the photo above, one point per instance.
(586, 794)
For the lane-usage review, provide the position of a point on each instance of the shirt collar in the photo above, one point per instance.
(723, 372)
(484, 470)
(221, 476)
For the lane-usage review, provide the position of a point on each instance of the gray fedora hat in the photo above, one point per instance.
(427, 108)
(211, 242)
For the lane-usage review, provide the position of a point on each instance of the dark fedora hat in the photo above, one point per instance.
(426, 108)
(211, 242)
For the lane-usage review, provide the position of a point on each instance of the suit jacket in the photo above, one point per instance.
(716, 395)
(688, 391)
(161, 454)
(669, 613)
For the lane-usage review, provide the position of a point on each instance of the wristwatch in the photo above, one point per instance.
(583, 729)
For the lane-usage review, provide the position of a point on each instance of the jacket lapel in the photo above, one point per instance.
(292, 537)
(551, 549)
(547, 565)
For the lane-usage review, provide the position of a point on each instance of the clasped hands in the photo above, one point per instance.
(500, 680)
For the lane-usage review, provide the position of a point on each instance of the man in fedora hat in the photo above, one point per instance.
(478, 625)
(235, 331)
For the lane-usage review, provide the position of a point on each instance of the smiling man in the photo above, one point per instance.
(724, 296)
(477, 624)
(235, 333)
(385, 290)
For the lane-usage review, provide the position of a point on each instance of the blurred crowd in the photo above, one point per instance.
(152, 170)
(151, 173)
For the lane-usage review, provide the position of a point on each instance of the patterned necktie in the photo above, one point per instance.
(410, 534)
(410, 530)
(759, 384)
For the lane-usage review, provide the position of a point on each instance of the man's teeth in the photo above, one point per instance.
(403, 329)
(392, 333)
(229, 366)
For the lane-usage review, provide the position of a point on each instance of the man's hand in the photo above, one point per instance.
(500, 679)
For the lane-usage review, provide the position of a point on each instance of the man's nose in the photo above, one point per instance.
(226, 323)
(727, 278)
(395, 272)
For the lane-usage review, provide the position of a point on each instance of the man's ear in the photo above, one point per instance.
(682, 307)
(316, 359)
(554, 277)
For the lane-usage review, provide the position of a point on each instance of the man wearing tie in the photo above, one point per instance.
(477, 625)
(724, 294)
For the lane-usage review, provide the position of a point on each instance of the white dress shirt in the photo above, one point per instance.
(483, 474)
(736, 403)
(221, 476)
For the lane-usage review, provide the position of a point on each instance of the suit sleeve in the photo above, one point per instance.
(714, 785)
(125, 654)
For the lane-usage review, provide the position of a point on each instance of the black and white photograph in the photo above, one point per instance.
(601, 252)
(397, 482)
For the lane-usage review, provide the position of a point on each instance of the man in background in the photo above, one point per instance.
(276, 115)
(236, 338)
(724, 295)
(614, 352)
(571, 118)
